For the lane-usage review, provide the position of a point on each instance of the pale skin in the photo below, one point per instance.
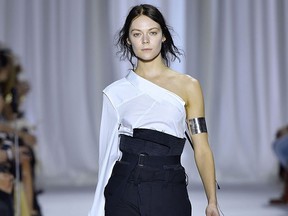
(146, 38)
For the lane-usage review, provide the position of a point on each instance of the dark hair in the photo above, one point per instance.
(5, 57)
(169, 51)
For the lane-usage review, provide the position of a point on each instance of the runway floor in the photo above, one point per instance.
(234, 200)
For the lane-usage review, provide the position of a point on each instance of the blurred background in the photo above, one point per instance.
(237, 49)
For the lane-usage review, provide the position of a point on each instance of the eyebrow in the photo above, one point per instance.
(148, 29)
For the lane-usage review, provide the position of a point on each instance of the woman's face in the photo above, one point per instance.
(145, 37)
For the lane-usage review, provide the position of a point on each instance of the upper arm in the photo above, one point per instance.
(195, 109)
(194, 97)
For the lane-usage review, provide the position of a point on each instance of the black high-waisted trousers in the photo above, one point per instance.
(149, 180)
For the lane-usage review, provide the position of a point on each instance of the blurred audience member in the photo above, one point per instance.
(6, 177)
(14, 127)
(280, 147)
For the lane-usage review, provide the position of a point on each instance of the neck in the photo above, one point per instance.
(150, 68)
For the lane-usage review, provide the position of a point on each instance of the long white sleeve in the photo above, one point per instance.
(108, 153)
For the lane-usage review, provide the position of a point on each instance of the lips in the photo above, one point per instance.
(146, 49)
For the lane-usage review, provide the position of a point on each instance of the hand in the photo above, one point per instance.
(212, 210)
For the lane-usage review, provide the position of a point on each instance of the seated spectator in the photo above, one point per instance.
(280, 147)
(6, 177)
(12, 92)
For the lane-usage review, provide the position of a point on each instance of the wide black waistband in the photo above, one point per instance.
(151, 142)
(157, 136)
(143, 159)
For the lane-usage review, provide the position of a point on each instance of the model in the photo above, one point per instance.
(144, 119)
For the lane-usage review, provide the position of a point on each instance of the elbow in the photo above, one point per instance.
(203, 152)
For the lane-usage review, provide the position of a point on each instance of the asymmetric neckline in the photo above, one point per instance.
(148, 85)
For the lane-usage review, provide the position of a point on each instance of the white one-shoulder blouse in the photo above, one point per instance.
(133, 102)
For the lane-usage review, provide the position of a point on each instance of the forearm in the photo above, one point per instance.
(205, 164)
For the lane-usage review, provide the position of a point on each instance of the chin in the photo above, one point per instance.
(148, 58)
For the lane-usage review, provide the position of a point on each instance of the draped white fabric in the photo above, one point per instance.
(236, 49)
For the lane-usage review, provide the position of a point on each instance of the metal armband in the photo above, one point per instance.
(198, 125)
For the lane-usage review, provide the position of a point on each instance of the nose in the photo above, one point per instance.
(145, 39)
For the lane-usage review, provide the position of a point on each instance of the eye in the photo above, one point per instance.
(136, 34)
(153, 33)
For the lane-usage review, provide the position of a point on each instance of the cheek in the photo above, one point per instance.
(135, 47)
(159, 44)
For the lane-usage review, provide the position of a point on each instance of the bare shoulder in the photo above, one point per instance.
(184, 78)
(188, 84)
(192, 84)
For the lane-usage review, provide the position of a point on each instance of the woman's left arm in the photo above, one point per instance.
(202, 151)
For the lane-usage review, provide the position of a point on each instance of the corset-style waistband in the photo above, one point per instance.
(151, 142)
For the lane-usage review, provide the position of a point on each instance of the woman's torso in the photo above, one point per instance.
(143, 104)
